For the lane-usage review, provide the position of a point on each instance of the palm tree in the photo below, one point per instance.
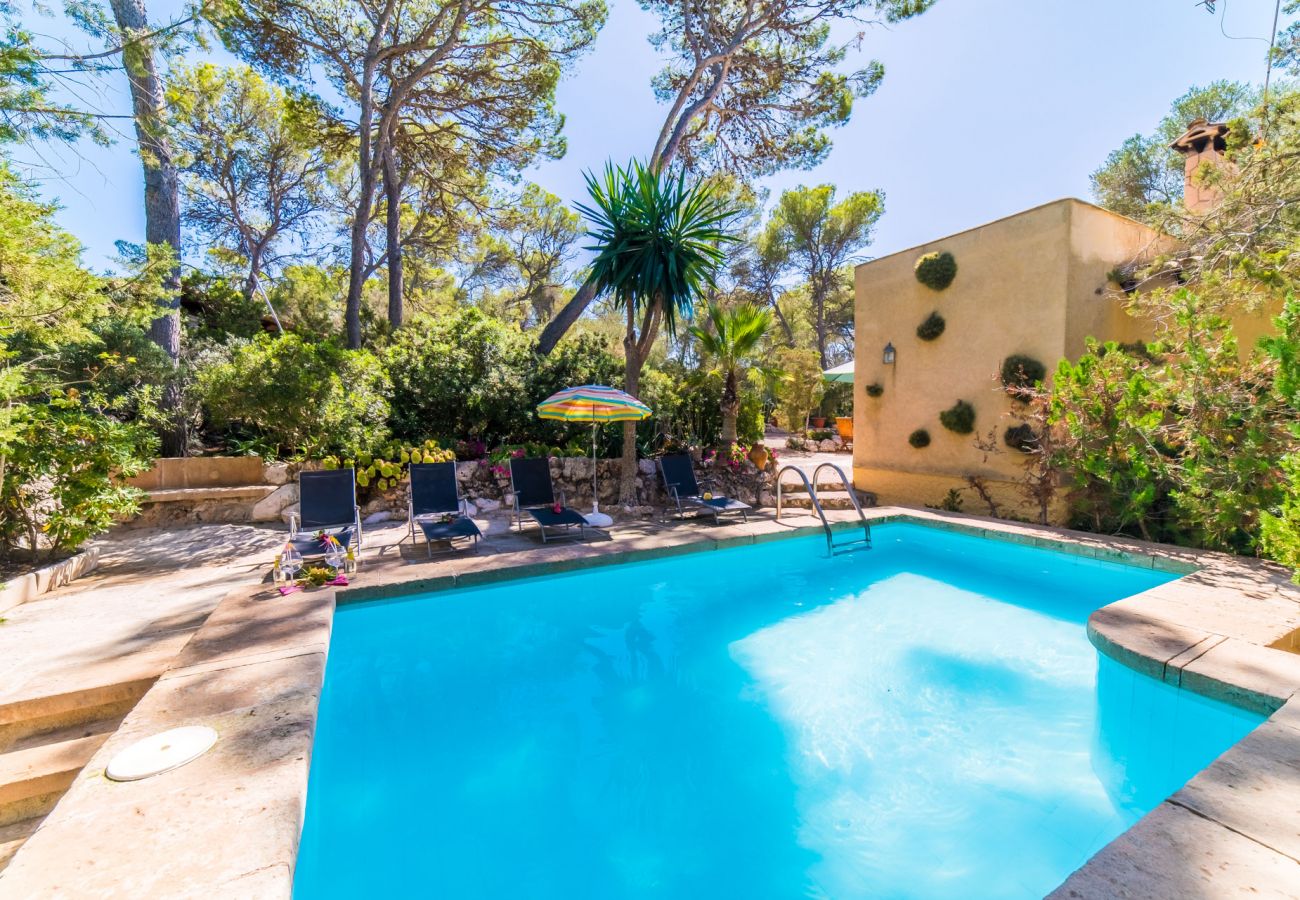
(731, 338)
(657, 251)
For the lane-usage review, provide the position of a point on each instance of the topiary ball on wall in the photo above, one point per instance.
(959, 418)
(931, 328)
(1020, 373)
(1022, 438)
(875, 390)
(936, 270)
(919, 438)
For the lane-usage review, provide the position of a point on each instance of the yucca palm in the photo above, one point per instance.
(731, 337)
(658, 249)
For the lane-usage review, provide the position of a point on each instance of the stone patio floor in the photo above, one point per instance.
(227, 825)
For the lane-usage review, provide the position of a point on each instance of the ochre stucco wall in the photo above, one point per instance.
(1009, 296)
(1034, 283)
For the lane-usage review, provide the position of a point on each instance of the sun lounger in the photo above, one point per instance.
(685, 493)
(436, 507)
(534, 492)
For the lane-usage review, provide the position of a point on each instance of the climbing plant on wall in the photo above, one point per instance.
(875, 389)
(1020, 373)
(936, 270)
(959, 418)
(919, 438)
(932, 327)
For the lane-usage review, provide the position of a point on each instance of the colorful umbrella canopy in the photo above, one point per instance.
(592, 403)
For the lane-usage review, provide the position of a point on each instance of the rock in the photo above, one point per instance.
(276, 473)
(376, 517)
(828, 446)
(486, 505)
(270, 507)
(647, 467)
(289, 512)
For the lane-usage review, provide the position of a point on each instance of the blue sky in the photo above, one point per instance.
(988, 107)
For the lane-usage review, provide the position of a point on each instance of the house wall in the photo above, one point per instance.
(1010, 296)
(1034, 283)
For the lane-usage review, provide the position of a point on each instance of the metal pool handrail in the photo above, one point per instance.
(831, 547)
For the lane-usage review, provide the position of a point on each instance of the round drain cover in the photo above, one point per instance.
(161, 753)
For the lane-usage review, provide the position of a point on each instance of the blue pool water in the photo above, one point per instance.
(927, 719)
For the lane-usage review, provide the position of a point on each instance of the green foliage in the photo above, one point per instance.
(958, 418)
(931, 328)
(919, 438)
(1021, 437)
(875, 389)
(657, 238)
(818, 237)
(1109, 407)
(1143, 177)
(800, 387)
(732, 338)
(470, 375)
(253, 164)
(304, 398)
(951, 502)
(936, 270)
(780, 76)
(1279, 527)
(63, 474)
(66, 339)
(217, 309)
(1020, 372)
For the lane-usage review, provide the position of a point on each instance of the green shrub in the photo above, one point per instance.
(63, 474)
(820, 434)
(875, 390)
(919, 438)
(1020, 373)
(931, 328)
(301, 398)
(469, 375)
(959, 418)
(1021, 437)
(936, 270)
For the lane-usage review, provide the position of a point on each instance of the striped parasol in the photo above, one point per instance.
(593, 403)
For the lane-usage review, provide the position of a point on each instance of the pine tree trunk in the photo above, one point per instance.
(393, 227)
(564, 319)
(361, 214)
(162, 207)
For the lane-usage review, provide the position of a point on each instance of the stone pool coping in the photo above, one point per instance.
(229, 823)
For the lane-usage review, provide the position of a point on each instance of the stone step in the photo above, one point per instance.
(193, 495)
(797, 487)
(33, 779)
(24, 721)
(14, 835)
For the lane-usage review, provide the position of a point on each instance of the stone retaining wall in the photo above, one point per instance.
(243, 489)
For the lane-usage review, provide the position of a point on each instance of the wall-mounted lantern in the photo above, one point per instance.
(889, 354)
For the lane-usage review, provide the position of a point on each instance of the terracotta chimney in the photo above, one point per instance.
(1202, 142)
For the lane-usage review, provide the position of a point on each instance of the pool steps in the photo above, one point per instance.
(45, 743)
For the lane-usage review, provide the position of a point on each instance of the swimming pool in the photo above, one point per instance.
(926, 719)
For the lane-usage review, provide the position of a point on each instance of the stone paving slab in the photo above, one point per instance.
(1254, 790)
(1175, 854)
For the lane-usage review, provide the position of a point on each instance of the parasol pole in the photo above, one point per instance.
(595, 501)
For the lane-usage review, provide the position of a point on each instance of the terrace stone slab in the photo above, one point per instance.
(1254, 789)
(1257, 678)
(1175, 854)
